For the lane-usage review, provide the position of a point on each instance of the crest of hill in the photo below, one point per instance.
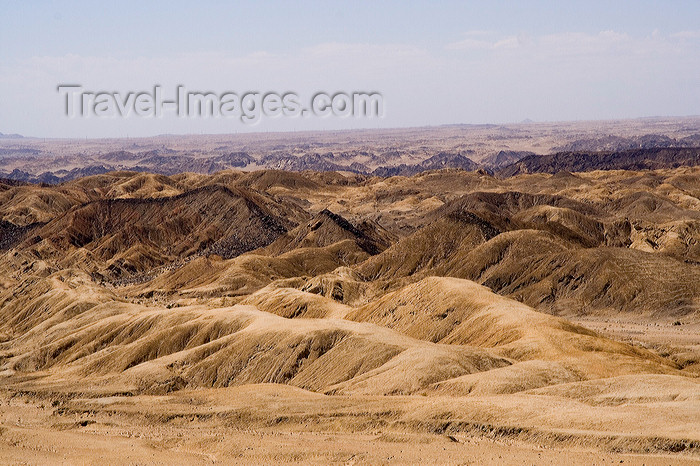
(41, 302)
(428, 247)
(473, 219)
(326, 228)
(211, 276)
(646, 206)
(27, 204)
(547, 272)
(499, 208)
(575, 227)
(125, 234)
(343, 285)
(145, 185)
(454, 311)
(292, 303)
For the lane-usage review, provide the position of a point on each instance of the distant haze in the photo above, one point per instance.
(435, 64)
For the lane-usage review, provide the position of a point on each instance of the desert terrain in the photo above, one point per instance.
(382, 152)
(541, 307)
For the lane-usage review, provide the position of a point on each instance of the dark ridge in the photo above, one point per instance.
(498, 209)
(11, 182)
(235, 159)
(470, 218)
(11, 234)
(363, 240)
(57, 177)
(436, 162)
(208, 220)
(612, 143)
(212, 188)
(315, 162)
(636, 159)
(327, 228)
(504, 158)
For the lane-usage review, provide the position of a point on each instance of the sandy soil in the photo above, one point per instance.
(32, 434)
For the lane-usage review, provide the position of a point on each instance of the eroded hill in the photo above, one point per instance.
(443, 303)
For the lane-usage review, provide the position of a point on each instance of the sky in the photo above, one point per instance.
(434, 63)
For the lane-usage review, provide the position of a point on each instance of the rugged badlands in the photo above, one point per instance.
(270, 316)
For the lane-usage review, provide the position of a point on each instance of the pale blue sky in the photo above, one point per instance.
(435, 63)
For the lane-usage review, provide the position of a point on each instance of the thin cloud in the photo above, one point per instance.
(686, 35)
(469, 44)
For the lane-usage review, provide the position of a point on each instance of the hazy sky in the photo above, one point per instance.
(435, 63)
